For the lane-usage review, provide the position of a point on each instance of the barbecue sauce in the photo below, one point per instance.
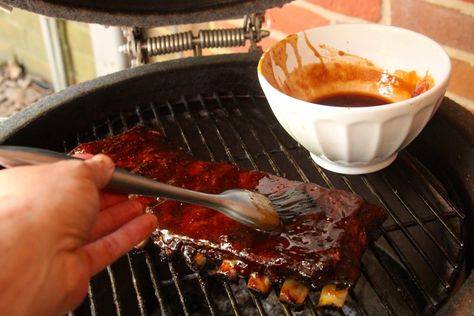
(352, 100)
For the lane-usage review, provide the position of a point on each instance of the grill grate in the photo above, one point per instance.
(410, 269)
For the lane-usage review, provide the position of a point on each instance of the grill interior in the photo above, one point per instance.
(411, 269)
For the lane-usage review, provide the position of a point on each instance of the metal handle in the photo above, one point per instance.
(122, 181)
(126, 182)
(249, 208)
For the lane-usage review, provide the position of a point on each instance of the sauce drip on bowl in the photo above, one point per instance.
(329, 76)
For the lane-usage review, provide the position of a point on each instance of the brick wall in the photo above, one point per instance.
(21, 39)
(449, 22)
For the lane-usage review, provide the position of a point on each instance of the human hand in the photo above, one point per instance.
(57, 229)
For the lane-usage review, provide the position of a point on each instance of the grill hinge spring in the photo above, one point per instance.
(140, 47)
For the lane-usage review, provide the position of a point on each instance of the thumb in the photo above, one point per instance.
(102, 168)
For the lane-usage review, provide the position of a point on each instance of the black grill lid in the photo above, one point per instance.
(144, 13)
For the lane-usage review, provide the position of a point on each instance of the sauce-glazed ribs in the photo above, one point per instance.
(318, 245)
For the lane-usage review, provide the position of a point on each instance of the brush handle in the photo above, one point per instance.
(122, 181)
(249, 208)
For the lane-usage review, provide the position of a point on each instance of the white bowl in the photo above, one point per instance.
(356, 140)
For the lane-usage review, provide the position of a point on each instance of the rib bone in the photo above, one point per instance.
(232, 269)
(293, 292)
(259, 283)
(332, 295)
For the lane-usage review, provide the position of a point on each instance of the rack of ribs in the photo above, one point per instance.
(318, 245)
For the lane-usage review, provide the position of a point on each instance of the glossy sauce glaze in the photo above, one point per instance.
(319, 244)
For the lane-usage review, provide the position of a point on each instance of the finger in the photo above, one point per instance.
(108, 199)
(102, 168)
(115, 217)
(84, 156)
(106, 250)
